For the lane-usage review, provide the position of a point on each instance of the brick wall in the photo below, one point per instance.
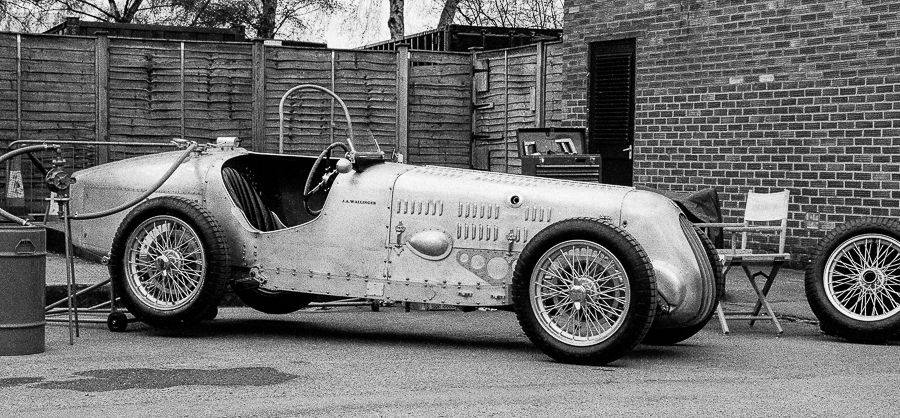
(758, 95)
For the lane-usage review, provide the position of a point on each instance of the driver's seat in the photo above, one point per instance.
(249, 201)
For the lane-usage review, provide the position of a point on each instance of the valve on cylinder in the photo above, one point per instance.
(58, 180)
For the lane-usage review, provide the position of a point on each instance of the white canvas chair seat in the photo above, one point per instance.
(764, 209)
(749, 257)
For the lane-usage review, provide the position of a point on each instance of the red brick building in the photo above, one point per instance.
(759, 95)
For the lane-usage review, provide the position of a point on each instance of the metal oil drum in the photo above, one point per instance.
(23, 257)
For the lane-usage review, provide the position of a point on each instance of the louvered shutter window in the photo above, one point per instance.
(611, 94)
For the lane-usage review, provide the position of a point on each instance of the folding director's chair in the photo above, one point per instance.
(764, 213)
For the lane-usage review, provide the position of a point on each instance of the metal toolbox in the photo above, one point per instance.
(557, 153)
(565, 167)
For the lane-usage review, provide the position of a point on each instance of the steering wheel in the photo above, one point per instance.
(327, 177)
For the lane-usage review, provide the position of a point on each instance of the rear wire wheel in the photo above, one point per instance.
(584, 291)
(169, 261)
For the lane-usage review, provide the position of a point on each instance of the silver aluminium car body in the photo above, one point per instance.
(397, 232)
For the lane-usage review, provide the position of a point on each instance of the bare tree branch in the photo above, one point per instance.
(518, 13)
(77, 5)
(130, 10)
(200, 12)
(112, 8)
(261, 17)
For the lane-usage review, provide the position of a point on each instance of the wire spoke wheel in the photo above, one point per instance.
(169, 262)
(853, 281)
(165, 263)
(584, 291)
(862, 277)
(580, 293)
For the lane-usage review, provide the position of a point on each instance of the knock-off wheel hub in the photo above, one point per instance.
(871, 279)
(578, 291)
(168, 260)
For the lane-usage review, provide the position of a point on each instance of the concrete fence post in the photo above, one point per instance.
(540, 85)
(258, 98)
(101, 61)
(403, 100)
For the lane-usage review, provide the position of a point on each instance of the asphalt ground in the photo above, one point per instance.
(354, 362)
(350, 361)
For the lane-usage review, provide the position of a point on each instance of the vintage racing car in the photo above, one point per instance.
(591, 270)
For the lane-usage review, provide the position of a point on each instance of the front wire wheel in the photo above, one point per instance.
(580, 293)
(584, 291)
(164, 263)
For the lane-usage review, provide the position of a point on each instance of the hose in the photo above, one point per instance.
(157, 185)
(12, 154)
(87, 216)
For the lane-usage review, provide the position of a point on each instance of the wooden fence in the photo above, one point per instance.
(440, 87)
(121, 89)
(515, 88)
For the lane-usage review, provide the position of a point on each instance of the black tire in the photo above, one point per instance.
(211, 314)
(826, 330)
(274, 302)
(166, 283)
(117, 322)
(840, 272)
(631, 295)
(670, 336)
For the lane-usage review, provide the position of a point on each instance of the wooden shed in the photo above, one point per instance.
(461, 38)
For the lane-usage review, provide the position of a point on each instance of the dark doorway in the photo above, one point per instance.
(611, 108)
